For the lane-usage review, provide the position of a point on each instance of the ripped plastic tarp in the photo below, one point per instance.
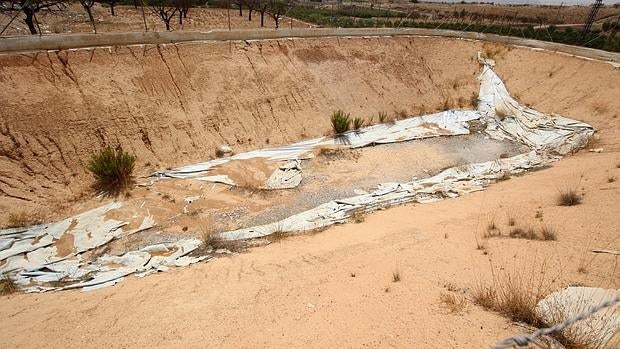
(446, 123)
(287, 176)
(450, 183)
(30, 247)
(108, 270)
(547, 136)
(32, 256)
(509, 120)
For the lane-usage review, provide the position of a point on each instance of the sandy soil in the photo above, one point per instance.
(172, 105)
(334, 288)
(75, 20)
(300, 292)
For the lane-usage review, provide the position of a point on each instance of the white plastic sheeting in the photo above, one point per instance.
(601, 329)
(108, 270)
(287, 176)
(31, 255)
(509, 120)
(35, 246)
(547, 136)
(446, 123)
(447, 184)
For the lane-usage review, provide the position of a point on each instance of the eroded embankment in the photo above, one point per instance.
(173, 104)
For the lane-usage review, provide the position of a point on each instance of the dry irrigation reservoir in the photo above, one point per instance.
(474, 196)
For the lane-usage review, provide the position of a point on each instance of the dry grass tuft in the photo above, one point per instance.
(514, 294)
(473, 100)
(401, 114)
(278, 236)
(569, 197)
(7, 286)
(455, 304)
(22, 219)
(511, 221)
(521, 233)
(211, 238)
(446, 104)
(611, 179)
(395, 276)
(382, 116)
(358, 216)
(548, 234)
(357, 123)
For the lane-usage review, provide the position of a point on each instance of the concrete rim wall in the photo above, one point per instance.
(20, 44)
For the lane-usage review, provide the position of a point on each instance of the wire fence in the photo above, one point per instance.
(525, 340)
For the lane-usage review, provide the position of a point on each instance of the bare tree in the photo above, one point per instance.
(262, 6)
(30, 8)
(88, 6)
(183, 8)
(112, 3)
(164, 9)
(276, 9)
(252, 6)
(240, 4)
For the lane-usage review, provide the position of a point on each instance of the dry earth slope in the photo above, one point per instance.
(172, 104)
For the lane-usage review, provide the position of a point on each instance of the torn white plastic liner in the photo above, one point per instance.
(31, 247)
(287, 176)
(449, 183)
(108, 270)
(446, 123)
(31, 254)
(508, 119)
(546, 135)
(601, 329)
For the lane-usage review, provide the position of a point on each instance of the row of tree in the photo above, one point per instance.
(273, 8)
(166, 10)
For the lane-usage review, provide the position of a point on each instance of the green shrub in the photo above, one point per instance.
(112, 169)
(382, 116)
(341, 121)
(358, 123)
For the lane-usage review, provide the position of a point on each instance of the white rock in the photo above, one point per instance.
(224, 149)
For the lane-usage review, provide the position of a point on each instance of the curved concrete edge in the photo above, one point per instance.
(21, 44)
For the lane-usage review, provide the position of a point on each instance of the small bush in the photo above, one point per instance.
(358, 123)
(341, 121)
(569, 198)
(521, 233)
(382, 116)
(112, 169)
(22, 219)
(7, 286)
(395, 276)
(548, 234)
(446, 105)
(474, 100)
(514, 295)
(401, 114)
(455, 304)
(358, 216)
